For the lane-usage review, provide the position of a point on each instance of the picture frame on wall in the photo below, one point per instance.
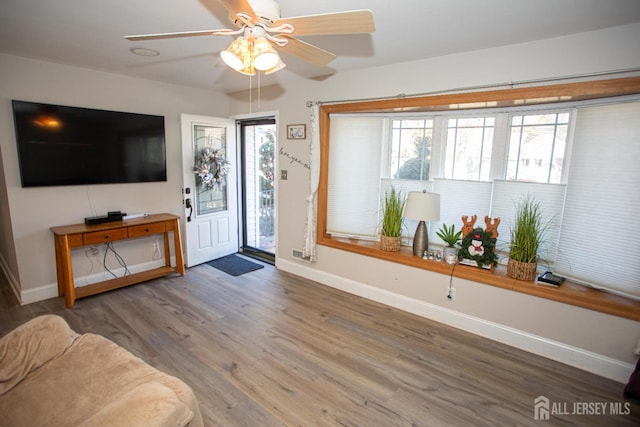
(296, 131)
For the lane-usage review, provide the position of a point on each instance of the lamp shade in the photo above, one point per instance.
(423, 206)
(279, 66)
(265, 56)
(248, 71)
(238, 54)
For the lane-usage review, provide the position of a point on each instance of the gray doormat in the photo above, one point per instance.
(234, 265)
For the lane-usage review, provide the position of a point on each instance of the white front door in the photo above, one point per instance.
(209, 188)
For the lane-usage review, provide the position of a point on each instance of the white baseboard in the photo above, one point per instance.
(13, 282)
(573, 356)
(51, 290)
(39, 294)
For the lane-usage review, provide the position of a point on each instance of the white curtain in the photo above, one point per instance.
(310, 237)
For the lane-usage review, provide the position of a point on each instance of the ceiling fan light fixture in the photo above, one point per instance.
(238, 54)
(263, 29)
(265, 56)
(248, 71)
(279, 66)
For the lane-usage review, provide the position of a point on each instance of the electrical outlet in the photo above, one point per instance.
(452, 294)
(93, 251)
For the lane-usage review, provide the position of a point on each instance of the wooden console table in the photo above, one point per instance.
(68, 237)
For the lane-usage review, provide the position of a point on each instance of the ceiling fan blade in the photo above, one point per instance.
(177, 35)
(308, 52)
(350, 22)
(239, 6)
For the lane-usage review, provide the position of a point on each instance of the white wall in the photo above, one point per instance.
(591, 340)
(27, 213)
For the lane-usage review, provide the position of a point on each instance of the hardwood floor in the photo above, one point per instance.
(269, 348)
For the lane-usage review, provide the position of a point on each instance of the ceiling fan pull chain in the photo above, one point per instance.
(250, 94)
(259, 106)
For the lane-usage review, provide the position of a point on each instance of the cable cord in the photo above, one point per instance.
(451, 281)
(157, 254)
(109, 247)
(87, 254)
(92, 206)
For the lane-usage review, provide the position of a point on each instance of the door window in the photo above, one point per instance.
(211, 169)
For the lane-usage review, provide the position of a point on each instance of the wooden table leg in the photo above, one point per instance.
(59, 263)
(167, 249)
(64, 267)
(177, 243)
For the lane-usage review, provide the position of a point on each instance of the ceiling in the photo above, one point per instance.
(90, 33)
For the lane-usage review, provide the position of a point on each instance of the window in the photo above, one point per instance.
(483, 163)
(398, 152)
(537, 146)
(411, 149)
(469, 144)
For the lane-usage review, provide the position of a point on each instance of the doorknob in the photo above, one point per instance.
(188, 205)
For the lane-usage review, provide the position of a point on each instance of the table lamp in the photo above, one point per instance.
(422, 206)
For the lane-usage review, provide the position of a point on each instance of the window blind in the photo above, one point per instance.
(355, 158)
(406, 186)
(600, 227)
(459, 198)
(506, 195)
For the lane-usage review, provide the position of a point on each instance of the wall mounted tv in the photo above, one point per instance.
(61, 145)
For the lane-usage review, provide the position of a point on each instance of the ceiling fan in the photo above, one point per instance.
(260, 29)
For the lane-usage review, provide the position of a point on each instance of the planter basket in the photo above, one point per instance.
(391, 244)
(521, 270)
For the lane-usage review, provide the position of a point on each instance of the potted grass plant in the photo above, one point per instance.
(527, 235)
(451, 237)
(392, 220)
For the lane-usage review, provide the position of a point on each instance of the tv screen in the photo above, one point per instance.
(61, 145)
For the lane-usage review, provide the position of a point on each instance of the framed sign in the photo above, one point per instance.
(296, 131)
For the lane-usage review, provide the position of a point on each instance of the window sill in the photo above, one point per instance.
(568, 293)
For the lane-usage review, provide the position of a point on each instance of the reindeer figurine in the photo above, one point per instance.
(468, 225)
(492, 226)
(478, 246)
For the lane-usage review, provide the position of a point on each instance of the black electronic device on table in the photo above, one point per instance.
(110, 216)
(548, 278)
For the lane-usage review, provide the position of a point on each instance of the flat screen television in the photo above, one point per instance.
(62, 145)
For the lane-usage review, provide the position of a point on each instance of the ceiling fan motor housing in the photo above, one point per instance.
(267, 11)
